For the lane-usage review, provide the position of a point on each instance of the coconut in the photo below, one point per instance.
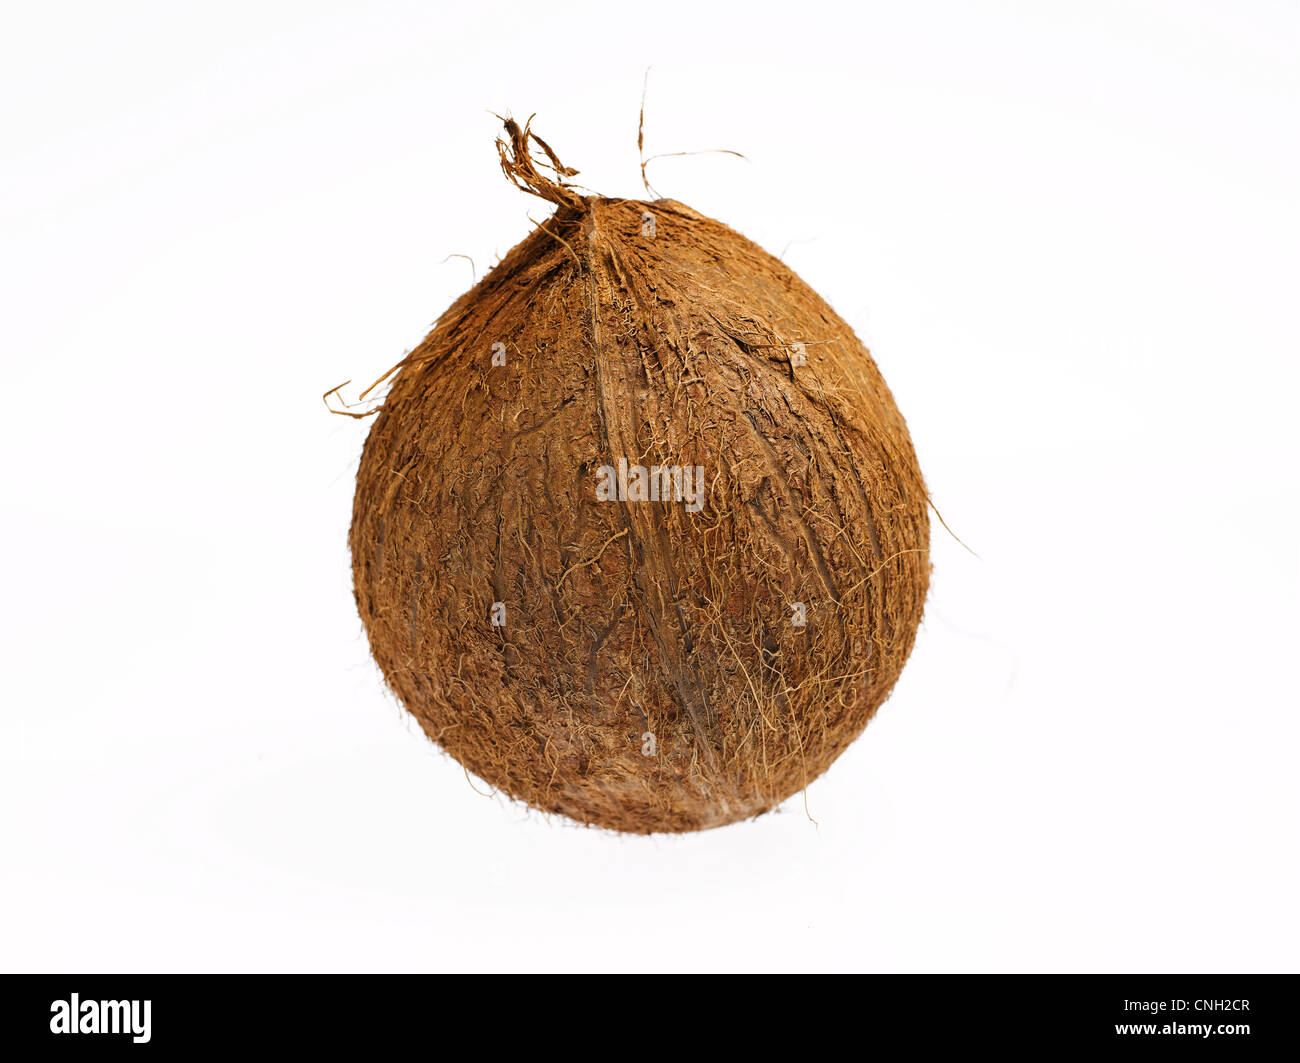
(639, 534)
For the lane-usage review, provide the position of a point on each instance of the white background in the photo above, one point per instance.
(1068, 232)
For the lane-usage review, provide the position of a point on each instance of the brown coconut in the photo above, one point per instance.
(639, 665)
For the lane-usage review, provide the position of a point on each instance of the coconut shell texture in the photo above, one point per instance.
(651, 674)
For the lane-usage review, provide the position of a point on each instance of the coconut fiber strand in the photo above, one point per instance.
(670, 658)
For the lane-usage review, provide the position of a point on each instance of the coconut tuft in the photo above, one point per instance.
(639, 534)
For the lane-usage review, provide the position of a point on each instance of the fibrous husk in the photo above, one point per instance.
(639, 665)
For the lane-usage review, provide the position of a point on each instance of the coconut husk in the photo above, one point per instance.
(650, 674)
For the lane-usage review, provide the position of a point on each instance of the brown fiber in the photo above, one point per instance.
(647, 332)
